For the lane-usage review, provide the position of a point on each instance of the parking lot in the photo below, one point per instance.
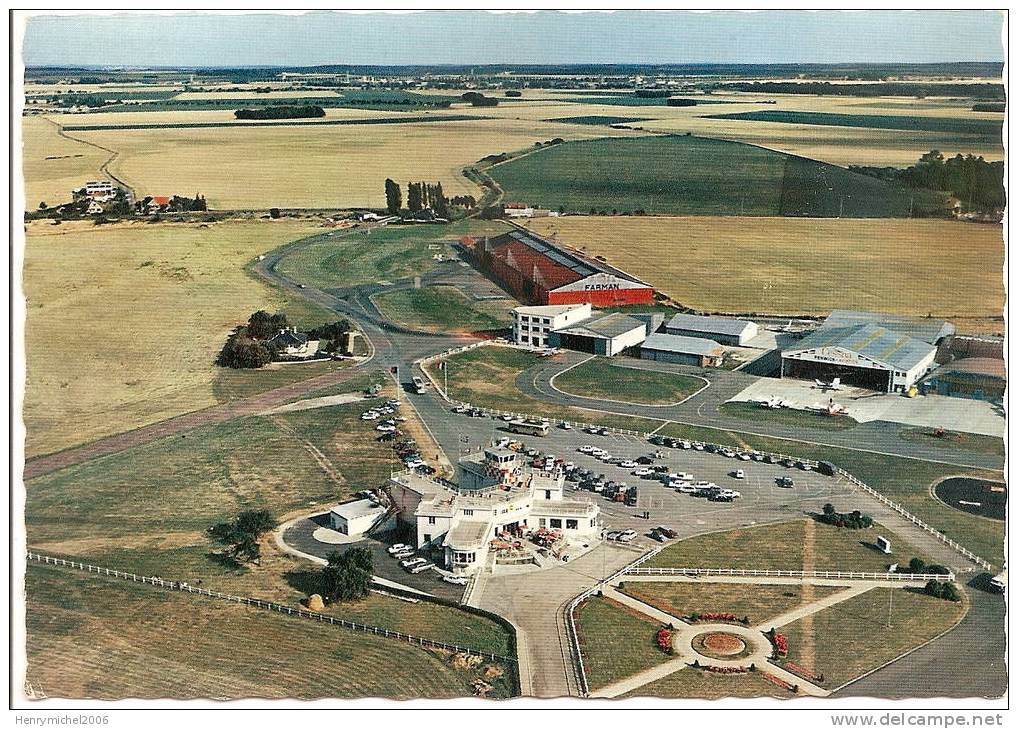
(761, 500)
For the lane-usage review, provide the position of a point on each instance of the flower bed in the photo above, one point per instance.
(779, 641)
(716, 618)
(664, 640)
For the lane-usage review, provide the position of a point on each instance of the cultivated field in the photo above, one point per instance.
(789, 267)
(124, 322)
(117, 640)
(314, 166)
(53, 166)
(687, 175)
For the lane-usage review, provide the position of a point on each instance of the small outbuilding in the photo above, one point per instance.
(355, 518)
(682, 350)
(730, 332)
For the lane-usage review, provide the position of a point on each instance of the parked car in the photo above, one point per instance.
(626, 536)
(785, 482)
(454, 579)
(398, 547)
(643, 472)
(739, 474)
(565, 426)
(417, 569)
(627, 463)
(412, 562)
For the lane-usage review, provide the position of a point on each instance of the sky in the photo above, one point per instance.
(546, 37)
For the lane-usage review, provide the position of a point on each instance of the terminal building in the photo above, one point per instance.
(533, 324)
(729, 332)
(538, 271)
(882, 352)
(508, 501)
(578, 327)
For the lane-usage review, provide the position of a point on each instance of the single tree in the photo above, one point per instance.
(393, 197)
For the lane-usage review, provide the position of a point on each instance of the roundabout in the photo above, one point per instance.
(721, 645)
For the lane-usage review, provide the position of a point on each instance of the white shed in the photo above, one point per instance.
(354, 518)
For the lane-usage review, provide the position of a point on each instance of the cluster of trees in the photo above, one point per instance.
(977, 183)
(420, 196)
(334, 333)
(245, 348)
(513, 94)
(280, 111)
(854, 520)
(240, 536)
(997, 106)
(347, 575)
(681, 102)
(943, 590)
(477, 99)
(463, 201)
(652, 93)
(916, 566)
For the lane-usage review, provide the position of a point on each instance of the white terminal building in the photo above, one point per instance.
(498, 498)
(533, 324)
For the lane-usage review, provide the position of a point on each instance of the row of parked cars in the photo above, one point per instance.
(415, 565)
(730, 453)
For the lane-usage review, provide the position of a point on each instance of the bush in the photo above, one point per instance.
(942, 590)
(854, 520)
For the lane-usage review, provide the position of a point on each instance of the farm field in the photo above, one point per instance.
(53, 166)
(380, 254)
(599, 378)
(987, 130)
(686, 175)
(615, 641)
(160, 299)
(780, 547)
(757, 602)
(860, 634)
(442, 309)
(788, 267)
(315, 166)
(119, 640)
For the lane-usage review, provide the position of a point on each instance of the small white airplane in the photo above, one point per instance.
(774, 403)
(834, 384)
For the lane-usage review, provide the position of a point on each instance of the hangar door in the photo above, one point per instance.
(578, 343)
(865, 377)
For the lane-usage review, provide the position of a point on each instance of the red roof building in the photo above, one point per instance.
(538, 271)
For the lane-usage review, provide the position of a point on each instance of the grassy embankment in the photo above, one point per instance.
(615, 641)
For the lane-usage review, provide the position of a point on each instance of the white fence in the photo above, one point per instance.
(968, 554)
(263, 604)
(818, 574)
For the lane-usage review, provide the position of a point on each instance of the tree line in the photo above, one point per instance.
(976, 183)
(281, 111)
(420, 196)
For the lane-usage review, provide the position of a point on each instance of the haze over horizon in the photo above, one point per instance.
(545, 37)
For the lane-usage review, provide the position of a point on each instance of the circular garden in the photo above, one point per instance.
(720, 645)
